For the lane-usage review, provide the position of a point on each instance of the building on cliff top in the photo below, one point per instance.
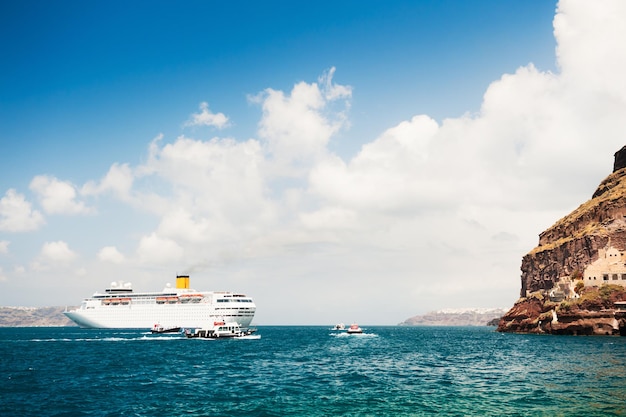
(609, 268)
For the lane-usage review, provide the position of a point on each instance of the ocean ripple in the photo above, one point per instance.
(309, 371)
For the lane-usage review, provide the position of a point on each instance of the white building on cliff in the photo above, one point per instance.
(609, 268)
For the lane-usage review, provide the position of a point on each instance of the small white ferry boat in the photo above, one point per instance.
(354, 329)
(220, 329)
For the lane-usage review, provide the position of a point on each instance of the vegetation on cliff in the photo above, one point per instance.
(595, 217)
(594, 299)
(591, 313)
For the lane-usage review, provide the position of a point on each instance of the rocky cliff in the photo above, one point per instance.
(566, 249)
(457, 317)
(33, 317)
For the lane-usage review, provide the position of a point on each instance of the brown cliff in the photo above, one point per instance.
(457, 317)
(565, 250)
(592, 313)
(33, 317)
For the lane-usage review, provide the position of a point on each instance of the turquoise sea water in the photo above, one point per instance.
(310, 371)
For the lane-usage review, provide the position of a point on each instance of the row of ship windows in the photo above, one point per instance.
(151, 300)
(207, 314)
(135, 302)
(238, 315)
(217, 308)
(134, 296)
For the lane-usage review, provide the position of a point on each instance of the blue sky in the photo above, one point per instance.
(366, 149)
(91, 82)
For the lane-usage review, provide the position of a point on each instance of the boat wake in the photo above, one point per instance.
(348, 335)
(95, 339)
(248, 337)
(163, 337)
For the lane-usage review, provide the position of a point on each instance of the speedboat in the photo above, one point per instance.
(354, 329)
(339, 326)
(157, 328)
(220, 330)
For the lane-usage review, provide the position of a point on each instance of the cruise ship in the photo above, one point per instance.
(119, 307)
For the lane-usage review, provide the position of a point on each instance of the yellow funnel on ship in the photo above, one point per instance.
(182, 281)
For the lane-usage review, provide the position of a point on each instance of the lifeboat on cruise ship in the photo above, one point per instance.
(194, 298)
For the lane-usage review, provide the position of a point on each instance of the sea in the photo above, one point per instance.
(310, 371)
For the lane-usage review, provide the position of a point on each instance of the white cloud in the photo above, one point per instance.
(110, 254)
(296, 128)
(154, 249)
(16, 214)
(207, 118)
(389, 174)
(54, 255)
(118, 180)
(57, 252)
(217, 184)
(57, 197)
(330, 218)
(4, 246)
(334, 91)
(590, 41)
(182, 226)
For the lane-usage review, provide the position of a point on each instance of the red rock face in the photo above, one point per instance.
(585, 323)
(536, 316)
(523, 317)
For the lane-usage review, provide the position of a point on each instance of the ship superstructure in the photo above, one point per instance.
(120, 307)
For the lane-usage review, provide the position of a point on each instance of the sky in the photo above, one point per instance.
(339, 161)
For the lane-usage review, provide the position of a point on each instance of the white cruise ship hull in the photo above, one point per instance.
(121, 308)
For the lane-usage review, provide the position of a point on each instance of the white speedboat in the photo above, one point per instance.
(220, 329)
(339, 326)
(354, 329)
(157, 328)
